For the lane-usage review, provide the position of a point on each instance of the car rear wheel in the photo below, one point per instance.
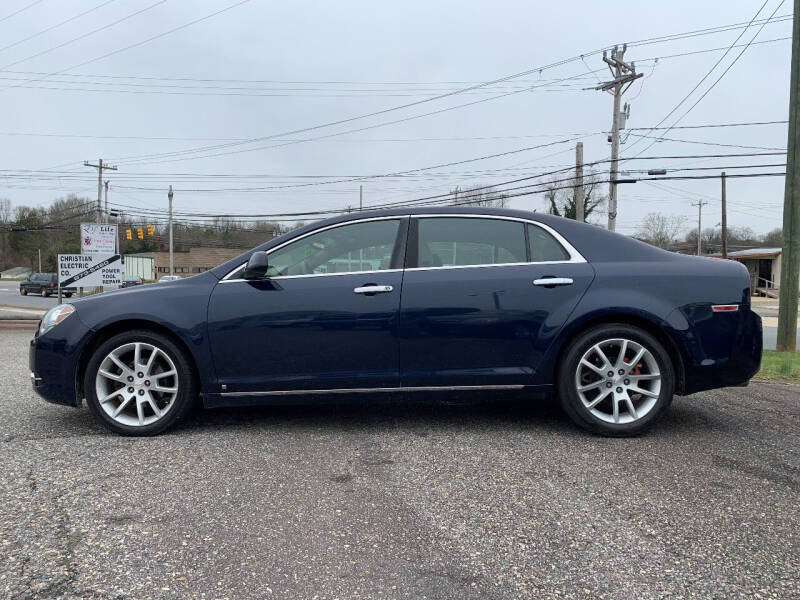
(616, 380)
(139, 383)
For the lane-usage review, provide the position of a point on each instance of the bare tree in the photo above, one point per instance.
(661, 230)
(774, 237)
(560, 198)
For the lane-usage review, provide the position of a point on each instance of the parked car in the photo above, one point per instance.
(166, 278)
(131, 280)
(435, 301)
(45, 284)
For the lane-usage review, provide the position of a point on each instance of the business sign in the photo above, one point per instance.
(88, 270)
(98, 237)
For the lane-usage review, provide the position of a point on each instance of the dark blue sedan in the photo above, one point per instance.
(424, 301)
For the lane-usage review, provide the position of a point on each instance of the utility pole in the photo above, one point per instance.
(624, 75)
(99, 166)
(579, 199)
(790, 255)
(724, 219)
(361, 197)
(106, 198)
(171, 262)
(699, 206)
(40, 259)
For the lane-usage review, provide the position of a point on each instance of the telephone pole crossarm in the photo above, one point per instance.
(100, 166)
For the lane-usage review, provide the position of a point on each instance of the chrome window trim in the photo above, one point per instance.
(514, 264)
(575, 256)
(432, 388)
(282, 277)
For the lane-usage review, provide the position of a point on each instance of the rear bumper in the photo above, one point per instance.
(53, 361)
(722, 350)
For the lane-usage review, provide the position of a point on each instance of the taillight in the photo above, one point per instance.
(52, 285)
(725, 307)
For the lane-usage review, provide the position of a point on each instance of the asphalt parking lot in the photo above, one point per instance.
(504, 500)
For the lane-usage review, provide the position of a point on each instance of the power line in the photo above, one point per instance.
(23, 9)
(350, 119)
(57, 25)
(666, 139)
(81, 37)
(169, 156)
(399, 140)
(131, 46)
(728, 68)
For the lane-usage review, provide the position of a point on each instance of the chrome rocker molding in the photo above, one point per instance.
(445, 388)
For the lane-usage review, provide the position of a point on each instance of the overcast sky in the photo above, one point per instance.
(275, 67)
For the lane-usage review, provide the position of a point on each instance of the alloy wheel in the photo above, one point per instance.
(137, 384)
(618, 380)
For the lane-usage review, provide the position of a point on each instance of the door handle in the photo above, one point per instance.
(553, 281)
(373, 289)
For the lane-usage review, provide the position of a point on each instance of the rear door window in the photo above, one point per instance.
(467, 241)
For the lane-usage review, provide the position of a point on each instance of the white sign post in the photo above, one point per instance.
(87, 270)
(98, 237)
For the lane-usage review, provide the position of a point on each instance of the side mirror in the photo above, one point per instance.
(257, 266)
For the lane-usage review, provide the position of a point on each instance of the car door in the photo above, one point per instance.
(324, 319)
(483, 298)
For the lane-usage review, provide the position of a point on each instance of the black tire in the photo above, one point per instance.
(69, 295)
(187, 383)
(23, 291)
(45, 293)
(571, 401)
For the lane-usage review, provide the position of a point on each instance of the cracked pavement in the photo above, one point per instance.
(491, 500)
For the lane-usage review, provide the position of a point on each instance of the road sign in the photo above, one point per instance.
(86, 270)
(98, 237)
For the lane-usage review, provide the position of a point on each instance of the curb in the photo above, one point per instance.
(18, 313)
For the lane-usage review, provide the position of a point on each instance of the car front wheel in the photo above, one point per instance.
(616, 380)
(139, 383)
(23, 291)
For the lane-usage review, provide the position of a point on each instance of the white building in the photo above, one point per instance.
(764, 265)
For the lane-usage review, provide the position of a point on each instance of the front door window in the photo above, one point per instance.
(365, 246)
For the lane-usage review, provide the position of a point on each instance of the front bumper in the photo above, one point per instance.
(53, 360)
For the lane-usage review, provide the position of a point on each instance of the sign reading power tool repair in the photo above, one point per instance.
(87, 270)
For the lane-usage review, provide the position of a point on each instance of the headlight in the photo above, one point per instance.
(54, 316)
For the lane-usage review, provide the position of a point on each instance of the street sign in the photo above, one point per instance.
(98, 237)
(87, 270)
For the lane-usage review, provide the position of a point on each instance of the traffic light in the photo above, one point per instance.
(149, 230)
(128, 234)
(140, 233)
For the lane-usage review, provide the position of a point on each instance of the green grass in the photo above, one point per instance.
(780, 365)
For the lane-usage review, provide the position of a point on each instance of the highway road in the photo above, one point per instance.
(10, 296)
